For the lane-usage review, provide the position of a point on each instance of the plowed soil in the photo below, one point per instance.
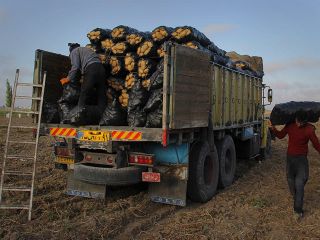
(257, 206)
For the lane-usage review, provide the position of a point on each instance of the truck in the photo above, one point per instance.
(212, 115)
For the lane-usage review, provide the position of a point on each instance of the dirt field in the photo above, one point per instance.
(256, 206)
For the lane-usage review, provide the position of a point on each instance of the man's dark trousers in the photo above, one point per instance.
(94, 77)
(297, 176)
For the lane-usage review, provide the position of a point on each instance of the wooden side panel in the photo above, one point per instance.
(190, 88)
(236, 98)
(217, 96)
(233, 98)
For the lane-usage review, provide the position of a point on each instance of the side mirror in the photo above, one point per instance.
(270, 95)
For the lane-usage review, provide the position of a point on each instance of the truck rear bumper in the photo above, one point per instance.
(108, 176)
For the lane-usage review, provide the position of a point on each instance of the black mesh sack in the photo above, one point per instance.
(135, 39)
(114, 115)
(98, 34)
(285, 113)
(146, 67)
(115, 83)
(222, 60)
(121, 32)
(117, 66)
(187, 34)
(154, 119)
(96, 48)
(148, 48)
(138, 97)
(154, 101)
(131, 62)
(70, 94)
(156, 79)
(111, 95)
(107, 44)
(64, 112)
(213, 48)
(121, 48)
(137, 118)
(50, 113)
(161, 34)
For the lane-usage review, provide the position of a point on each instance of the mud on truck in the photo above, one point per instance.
(212, 115)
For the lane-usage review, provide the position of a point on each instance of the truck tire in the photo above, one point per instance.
(203, 173)
(227, 161)
(108, 176)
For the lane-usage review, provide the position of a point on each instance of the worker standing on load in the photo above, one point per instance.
(299, 132)
(86, 62)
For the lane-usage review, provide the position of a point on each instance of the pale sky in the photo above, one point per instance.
(285, 33)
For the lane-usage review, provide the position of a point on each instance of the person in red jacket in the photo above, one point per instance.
(299, 132)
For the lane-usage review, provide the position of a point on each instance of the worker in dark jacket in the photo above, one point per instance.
(299, 132)
(86, 62)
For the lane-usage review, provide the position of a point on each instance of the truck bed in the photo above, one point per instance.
(194, 90)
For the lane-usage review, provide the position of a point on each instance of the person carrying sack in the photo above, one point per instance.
(300, 133)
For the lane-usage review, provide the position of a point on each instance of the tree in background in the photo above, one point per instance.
(8, 94)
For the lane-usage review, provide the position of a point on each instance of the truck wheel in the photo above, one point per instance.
(267, 151)
(203, 173)
(108, 176)
(228, 161)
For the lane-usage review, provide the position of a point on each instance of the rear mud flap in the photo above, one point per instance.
(83, 189)
(172, 189)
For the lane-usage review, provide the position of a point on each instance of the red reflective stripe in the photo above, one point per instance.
(55, 132)
(74, 133)
(63, 131)
(69, 132)
(114, 133)
(129, 135)
(164, 137)
(138, 134)
(120, 135)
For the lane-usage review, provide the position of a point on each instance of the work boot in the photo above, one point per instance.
(298, 215)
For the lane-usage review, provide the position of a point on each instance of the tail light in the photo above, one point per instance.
(141, 159)
(88, 157)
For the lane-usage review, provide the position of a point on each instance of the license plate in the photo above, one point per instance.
(93, 136)
(150, 177)
(64, 160)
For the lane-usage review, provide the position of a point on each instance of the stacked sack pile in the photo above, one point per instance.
(135, 61)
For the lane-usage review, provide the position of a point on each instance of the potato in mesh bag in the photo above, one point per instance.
(107, 44)
(146, 67)
(147, 48)
(161, 34)
(134, 39)
(131, 62)
(117, 65)
(120, 32)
